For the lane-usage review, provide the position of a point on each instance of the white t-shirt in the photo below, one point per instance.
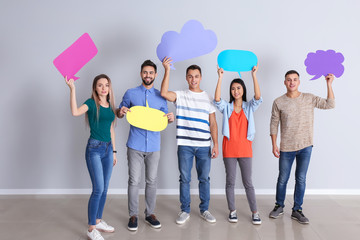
(192, 118)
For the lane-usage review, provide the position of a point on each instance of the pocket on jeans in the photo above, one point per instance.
(93, 143)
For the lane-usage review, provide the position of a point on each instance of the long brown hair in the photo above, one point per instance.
(110, 97)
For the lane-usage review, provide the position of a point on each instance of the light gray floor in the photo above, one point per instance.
(64, 217)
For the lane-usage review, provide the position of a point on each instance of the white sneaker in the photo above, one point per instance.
(94, 235)
(182, 218)
(256, 220)
(206, 215)
(102, 226)
(233, 217)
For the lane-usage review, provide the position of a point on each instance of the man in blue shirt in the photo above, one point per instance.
(143, 146)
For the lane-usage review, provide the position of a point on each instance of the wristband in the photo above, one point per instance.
(115, 151)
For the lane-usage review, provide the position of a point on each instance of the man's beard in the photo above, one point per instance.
(148, 83)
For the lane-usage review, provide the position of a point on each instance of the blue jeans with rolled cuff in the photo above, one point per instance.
(99, 161)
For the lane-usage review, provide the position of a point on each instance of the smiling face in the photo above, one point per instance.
(193, 77)
(237, 90)
(292, 82)
(148, 75)
(102, 87)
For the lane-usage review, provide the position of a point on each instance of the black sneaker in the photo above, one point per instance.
(133, 225)
(152, 221)
(299, 216)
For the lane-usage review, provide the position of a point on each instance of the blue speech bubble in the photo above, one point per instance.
(237, 60)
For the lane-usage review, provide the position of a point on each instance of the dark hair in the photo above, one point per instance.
(292, 72)
(193, 67)
(241, 82)
(148, 63)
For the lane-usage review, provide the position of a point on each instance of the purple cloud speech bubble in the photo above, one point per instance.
(322, 63)
(192, 41)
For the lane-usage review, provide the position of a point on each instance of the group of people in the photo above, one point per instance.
(197, 138)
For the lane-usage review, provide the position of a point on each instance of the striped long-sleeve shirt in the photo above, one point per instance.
(192, 118)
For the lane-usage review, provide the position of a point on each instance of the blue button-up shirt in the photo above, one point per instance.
(140, 139)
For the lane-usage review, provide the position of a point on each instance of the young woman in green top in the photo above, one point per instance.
(100, 150)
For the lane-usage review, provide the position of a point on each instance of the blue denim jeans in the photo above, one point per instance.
(99, 161)
(202, 156)
(285, 163)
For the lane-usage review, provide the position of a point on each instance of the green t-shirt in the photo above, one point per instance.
(99, 129)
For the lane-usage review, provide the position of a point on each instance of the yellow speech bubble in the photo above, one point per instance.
(147, 118)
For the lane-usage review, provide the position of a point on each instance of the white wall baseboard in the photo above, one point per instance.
(173, 191)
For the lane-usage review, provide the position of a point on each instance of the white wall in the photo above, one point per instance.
(42, 146)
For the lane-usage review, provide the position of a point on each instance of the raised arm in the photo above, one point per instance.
(329, 79)
(165, 93)
(328, 103)
(75, 111)
(214, 135)
(256, 84)
(217, 96)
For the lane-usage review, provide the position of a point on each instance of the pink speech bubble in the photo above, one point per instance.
(76, 56)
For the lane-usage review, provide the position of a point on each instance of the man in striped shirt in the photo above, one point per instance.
(196, 126)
